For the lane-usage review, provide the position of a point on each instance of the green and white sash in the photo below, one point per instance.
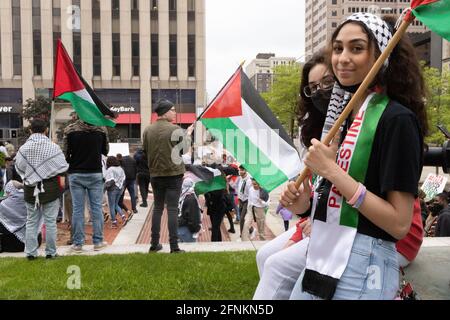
(334, 229)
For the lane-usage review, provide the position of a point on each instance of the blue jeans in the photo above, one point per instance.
(48, 211)
(185, 235)
(130, 185)
(372, 273)
(92, 184)
(113, 202)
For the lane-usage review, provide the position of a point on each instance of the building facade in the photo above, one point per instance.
(132, 52)
(260, 70)
(324, 16)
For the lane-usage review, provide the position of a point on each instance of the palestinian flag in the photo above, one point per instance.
(205, 179)
(240, 119)
(435, 14)
(71, 87)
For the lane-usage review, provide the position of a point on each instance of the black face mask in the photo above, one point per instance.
(321, 101)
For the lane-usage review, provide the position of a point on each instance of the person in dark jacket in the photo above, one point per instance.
(128, 165)
(84, 146)
(443, 222)
(162, 139)
(189, 218)
(217, 204)
(143, 175)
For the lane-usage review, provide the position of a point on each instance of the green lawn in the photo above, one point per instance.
(191, 276)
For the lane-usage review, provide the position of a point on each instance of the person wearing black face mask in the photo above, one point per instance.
(315, 92)
(443, 221)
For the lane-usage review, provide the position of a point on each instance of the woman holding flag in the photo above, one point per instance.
(363, 199)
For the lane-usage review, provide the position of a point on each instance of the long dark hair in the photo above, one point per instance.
(309, 118)
(402, 80)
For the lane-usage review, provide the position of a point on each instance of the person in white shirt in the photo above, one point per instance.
(258, 201)
(242, 186)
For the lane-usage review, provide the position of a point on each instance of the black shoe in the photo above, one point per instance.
(144, 205)
(49, 257)
(177, 250)
(231, 231)
(155, 248)
(31, 258)
(135, 211)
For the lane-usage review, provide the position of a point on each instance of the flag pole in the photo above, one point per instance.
(52, 118)
(359, 93)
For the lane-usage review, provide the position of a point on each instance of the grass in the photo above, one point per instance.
(188, 276)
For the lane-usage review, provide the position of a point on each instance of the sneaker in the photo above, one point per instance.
(144, 205)
(124, 219)
(114, 225)
(100, 246)
(177, 250)
(31, 258)
(155, 248)
(77, 249)
(50, 257)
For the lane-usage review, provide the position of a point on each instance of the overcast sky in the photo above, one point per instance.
(238, 30)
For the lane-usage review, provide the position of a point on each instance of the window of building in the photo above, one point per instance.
(37, 47)
(191, 55)
(116, 53)
(17, 45)
(172, 9)
(173, 55)
(155, 55)
(135, 53)
(97, 54)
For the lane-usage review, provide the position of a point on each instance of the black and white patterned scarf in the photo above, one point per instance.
(39, 159)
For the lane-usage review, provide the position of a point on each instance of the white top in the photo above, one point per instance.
(254, 199)
(117, 174)
(242, 190)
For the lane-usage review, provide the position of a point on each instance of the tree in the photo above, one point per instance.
(39, 108)
(283, 96)
(437, 103)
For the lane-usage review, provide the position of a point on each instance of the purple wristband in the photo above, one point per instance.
(361, 198)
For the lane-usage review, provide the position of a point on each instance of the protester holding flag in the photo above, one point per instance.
(363, 201)
(166, 170)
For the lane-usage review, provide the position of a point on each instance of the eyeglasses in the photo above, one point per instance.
(326, 84)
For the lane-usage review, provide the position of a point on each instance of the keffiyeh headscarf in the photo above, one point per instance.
(187, 188)
(340, 97)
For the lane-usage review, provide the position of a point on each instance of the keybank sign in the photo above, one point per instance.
(123, 109)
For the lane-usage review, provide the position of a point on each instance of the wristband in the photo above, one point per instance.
(355, 197)
(361, 198)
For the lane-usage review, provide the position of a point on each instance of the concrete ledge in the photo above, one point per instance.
(130, 233)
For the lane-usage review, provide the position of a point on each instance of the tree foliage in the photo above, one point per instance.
(38, 108)
(438, 102)
(283, 96)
